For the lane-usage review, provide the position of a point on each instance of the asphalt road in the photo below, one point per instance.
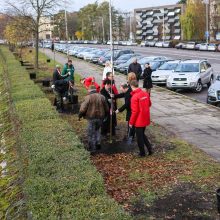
(212, 57)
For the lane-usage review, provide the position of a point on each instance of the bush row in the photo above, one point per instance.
(10, 169)
(60, 180)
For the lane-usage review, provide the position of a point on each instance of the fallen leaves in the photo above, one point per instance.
(125, 175)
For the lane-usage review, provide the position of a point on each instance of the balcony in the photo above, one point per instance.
(149, 32)
(177, 31)
(177, 24)
(171, 20)
(171, 14)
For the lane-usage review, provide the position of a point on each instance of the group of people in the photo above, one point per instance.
(63, 81)
(100, 104)
(100, 107)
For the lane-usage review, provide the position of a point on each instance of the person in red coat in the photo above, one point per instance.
(140, 116)
(90, 81)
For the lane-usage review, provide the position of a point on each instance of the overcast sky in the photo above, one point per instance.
(123, 5)
(126, 5)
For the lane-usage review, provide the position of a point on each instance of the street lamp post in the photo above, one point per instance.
(103, 31)
(66, 23)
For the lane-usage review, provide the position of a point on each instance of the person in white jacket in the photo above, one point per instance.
(107, 68)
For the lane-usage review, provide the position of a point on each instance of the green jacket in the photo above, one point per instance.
(67, 69)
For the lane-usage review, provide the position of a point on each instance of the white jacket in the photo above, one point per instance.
(105, 71)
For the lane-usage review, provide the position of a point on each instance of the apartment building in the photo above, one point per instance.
(45, 29)
(158, 23)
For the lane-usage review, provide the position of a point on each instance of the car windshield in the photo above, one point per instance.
(100, 53)
(154, 65)
(144, 60)
(124, 57)
(168, 66)
(187, 67)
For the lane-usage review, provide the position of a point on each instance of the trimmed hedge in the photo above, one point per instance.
(61, 182)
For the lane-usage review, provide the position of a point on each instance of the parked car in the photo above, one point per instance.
(81, 54)
(184, 45)
(116, 55)
(179, 45)
(159, 44)
(167, 44)
(197, 46)
(191, 74)
(123, 58)
(87, 55)
(151, 43)
(213, 96)
(96, 56)
(162, 73)
(144, 43)
(123, 67)
(190, 45)
(203, 46)
(131, 43)
(212, 47)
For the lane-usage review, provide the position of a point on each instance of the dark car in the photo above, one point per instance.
(123, 58)
(116, 55)
(96, 56)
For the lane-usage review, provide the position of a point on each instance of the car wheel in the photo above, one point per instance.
(218, 105)
(198, 86)
(210, 82)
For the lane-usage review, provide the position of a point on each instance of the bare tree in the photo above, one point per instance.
(36, 10)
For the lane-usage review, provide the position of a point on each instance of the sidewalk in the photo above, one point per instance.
(197, 123)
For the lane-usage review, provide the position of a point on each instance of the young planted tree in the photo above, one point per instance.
(36, 10)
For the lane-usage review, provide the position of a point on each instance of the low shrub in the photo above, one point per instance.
(60, 180)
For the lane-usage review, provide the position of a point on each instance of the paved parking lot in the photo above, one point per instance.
(212, 57)
(193, 121)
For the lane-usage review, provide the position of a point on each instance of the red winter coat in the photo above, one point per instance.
(91, 81)
(140, 108)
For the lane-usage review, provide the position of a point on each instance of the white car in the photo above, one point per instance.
(190, 45)
(130, 43)
(162, 73)
(203, 46)
(213, 97)
(191, 74)
(159, 44)
(212, 47)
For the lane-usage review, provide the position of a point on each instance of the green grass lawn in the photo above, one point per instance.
(178, 180)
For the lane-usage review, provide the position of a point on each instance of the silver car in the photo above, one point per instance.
(213, 96)
(191, 74)
(162, 73)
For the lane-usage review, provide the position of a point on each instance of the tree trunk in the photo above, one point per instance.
(36, 49)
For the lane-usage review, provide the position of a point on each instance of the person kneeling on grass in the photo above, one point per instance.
(94, 108)
(140, 116)
(60, 87)
(89, 81)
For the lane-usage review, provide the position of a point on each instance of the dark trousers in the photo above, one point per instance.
(143, 140)
(130, 131)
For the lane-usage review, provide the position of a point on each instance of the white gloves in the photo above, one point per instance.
(53, 86)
